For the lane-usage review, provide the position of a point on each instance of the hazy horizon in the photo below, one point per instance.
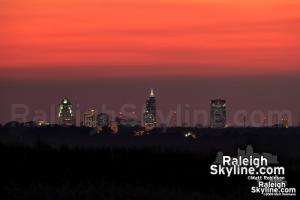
(272, 93)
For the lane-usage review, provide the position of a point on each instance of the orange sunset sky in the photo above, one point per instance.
(121, 38)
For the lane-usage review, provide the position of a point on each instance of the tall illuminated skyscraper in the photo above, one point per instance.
(65, 113)
(218, 113)
(150, 112)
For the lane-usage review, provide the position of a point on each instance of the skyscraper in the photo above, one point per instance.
(65, 113)
(89, 118)
(150, 112)
(218, 113)
(285, 122)
(102, 120)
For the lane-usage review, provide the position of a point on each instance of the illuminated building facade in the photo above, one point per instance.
(114, 127)
(65, 113)
(89, 118)
(42, 123)
(218, 113)
(285, 122)
(150, 112)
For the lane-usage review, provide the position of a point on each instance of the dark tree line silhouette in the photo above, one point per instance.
(73, 163)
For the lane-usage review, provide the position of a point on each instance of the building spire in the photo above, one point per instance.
(151, 93)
